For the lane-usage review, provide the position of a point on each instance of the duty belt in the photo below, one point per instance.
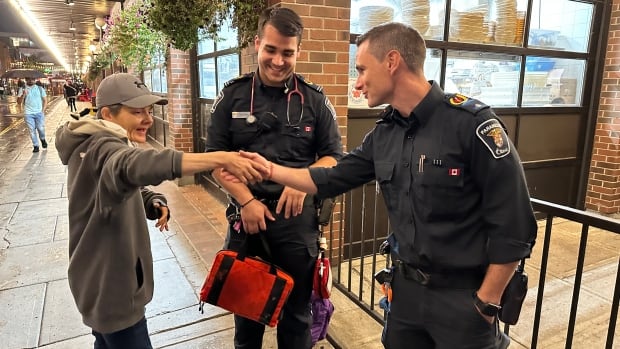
(467, 279)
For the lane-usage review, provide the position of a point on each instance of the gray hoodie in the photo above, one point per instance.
(110, 261)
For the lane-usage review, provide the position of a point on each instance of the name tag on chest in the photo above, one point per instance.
(240, 114)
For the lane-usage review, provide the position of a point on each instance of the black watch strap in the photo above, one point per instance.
(488, 309)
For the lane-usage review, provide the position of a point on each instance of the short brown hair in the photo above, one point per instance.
(285, 20)
(115, 109)
(396, 36)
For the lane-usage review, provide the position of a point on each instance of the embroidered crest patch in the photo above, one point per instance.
(494, 138)
(458, 99)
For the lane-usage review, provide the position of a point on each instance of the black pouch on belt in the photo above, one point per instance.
(514, 295)
(325, 210)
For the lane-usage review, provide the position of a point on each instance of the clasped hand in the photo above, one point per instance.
(261, 169)
(246, 168)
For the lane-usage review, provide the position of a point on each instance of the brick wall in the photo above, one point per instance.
(603, 192)
(179, 101)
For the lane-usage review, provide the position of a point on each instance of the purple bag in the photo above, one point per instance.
(322, 310)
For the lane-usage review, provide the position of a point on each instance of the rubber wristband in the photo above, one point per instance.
(247, 202)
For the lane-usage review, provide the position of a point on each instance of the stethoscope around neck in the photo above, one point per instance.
(289, 93)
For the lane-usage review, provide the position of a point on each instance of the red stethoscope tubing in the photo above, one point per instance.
(288, 101)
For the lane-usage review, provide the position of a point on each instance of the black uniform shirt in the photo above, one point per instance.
(452, 182)
(284, 138)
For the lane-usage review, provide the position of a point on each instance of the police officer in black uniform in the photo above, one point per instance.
(288, 120)
(455, 193)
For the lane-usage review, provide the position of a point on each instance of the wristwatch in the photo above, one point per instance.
(488, 309)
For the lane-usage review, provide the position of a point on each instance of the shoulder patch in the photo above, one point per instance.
(239, 78)
(309, 83)
(330, 107)
(492, 135)
(217, 100)
(460, 101)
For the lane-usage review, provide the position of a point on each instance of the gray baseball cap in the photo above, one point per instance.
(126, 89)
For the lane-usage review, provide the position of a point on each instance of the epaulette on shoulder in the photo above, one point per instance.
(309, 83)
(238, 79)
(459, 101)
(385, 116)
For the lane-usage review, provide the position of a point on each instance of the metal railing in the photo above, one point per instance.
(354, 243)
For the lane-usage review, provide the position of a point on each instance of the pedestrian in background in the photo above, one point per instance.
(70, 92)
(288, 120)
(110, 262)
(34, 99)
(455, 192)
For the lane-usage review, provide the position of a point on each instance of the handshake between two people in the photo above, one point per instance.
(296, 178)
(252, 168)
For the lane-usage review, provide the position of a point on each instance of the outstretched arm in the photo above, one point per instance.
(297, 178)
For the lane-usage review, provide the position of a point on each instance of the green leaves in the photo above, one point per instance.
(185, 22)
(133, 40)
(142, 31)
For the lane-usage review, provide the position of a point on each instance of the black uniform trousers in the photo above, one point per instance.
(294, 248)
(427, 317)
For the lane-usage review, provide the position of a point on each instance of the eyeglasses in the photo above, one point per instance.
(290, 93)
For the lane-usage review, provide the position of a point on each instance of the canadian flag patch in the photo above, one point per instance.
(454, 171)
(308, 129)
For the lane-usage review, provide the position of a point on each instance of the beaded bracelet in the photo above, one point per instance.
(247, 202)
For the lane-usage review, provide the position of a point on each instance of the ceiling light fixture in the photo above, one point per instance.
(71, 27)
(22, 8)
(69, 2)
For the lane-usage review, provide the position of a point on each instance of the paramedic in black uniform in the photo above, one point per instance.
(289, 121)
(455, 194)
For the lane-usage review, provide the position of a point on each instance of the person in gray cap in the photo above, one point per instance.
(110, 262)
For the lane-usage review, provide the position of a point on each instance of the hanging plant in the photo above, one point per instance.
(131, 38)
(103, 60)
(184, 23)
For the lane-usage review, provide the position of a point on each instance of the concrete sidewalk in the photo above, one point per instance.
(36, 307)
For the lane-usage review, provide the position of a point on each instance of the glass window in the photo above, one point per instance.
(164, 80)
(498, 22)
(494, 78)
(147, 79)
(555, 24)
(560, 24)
(205, 115)
(553, 81)
(432, 71)
(205, 46)
(156, 76)
(427, 16)
(227, 37)
(227, 68)
(490, 77)
(206, 72)
(216, 63)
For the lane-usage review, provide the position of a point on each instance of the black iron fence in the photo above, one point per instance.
(571, 245)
